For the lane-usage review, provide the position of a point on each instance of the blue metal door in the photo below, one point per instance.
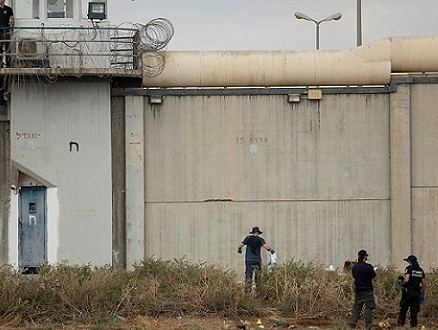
(32, 227)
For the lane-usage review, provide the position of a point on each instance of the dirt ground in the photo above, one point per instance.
(304, 323)
(221, 323)
(218, 323)
(182, 323)
(210, 323)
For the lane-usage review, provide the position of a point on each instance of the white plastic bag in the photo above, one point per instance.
(273, 258)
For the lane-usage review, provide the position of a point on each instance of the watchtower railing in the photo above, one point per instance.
(70, 47)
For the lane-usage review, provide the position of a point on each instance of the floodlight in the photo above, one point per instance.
(96, 10)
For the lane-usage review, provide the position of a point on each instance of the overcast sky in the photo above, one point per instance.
(271, 25)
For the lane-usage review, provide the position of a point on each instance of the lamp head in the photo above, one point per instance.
(300, 15)
(334, 17)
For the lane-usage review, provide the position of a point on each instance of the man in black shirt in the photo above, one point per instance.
(253, 259)
(413, 291)
(363, 274)
(7, 22)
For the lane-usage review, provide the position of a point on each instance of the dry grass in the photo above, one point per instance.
(164, 294)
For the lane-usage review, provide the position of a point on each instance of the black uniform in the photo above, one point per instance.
(411, 293)
(5, 15)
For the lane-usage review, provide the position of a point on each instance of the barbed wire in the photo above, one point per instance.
(79, 48)
(155, 35)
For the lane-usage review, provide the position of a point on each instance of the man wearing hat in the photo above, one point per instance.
(363, 274)
(253, 259)
(413, 291)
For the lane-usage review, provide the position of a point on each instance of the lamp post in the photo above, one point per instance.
(359, 23)
(334, 17)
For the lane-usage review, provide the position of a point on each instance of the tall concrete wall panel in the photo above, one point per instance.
(313, 175)
(400, 140)
(424, 137)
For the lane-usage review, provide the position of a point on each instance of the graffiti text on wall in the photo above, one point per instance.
(27, 136)
(242, 139)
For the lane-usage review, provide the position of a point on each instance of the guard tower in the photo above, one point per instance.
(64, 59)
(56, 106)
(69, 34)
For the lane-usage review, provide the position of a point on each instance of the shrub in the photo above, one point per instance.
(101, 295)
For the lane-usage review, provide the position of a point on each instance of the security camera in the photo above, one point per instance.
(14, 189)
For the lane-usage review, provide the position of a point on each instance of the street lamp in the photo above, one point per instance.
(359, 23)
(334, 17)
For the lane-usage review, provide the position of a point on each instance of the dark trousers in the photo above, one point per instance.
(251, 270)
(5, 45)
(410, 299)
(361, 299)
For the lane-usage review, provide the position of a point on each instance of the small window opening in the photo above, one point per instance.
(32, 207)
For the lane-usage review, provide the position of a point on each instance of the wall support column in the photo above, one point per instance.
(400, 145)
(118, 159)
(5, 185)
(135, 210)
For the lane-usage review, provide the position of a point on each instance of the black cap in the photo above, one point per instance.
(255, 230)
(362, 254)
(411, 259)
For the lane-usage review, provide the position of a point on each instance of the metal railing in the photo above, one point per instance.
(70, 47)
(83, 47)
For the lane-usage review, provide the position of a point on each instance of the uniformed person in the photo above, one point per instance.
(413, 291)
